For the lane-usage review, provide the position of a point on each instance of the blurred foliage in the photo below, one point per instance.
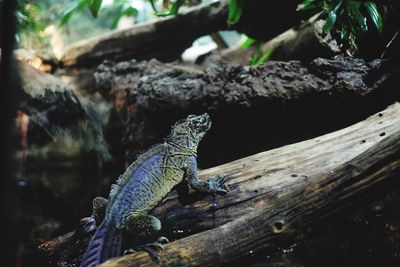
(121, 8)
(235, 11)
(348, 20)
(258, 56)
(168, 8)
(161, 8)
(33, 17)
(36, 16)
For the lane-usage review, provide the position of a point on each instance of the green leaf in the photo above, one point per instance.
(254, 57)
(330, 21)
(129, 11)
(94, 6)
(66, 17)
(68, 14)
(153, 6)
(264, 57)
(354, 10)
(374, 14)
(175, 7)
(235, 11)
(172, 11)
(307, 4)
(248, 42)
(344, 33)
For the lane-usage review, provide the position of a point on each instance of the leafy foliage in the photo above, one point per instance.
(33, 17)
(169, 8)
(123, 8)
(347, 20)
(235, 11)
(258, 56)
(92, 5)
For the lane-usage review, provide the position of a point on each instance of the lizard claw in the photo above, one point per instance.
(217, 184)
(162, 240)
(152, 248)
(129, 251)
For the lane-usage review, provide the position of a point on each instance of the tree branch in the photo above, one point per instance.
(329, 173)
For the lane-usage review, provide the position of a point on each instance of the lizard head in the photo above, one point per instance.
(193, 127)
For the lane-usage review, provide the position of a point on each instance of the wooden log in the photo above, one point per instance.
(320, 177)
(166, 39)
(294, 100)
(267, 178)
(271, 174)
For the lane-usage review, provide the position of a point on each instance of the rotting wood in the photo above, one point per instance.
(331, 172)
(273, 104)
(267, 178)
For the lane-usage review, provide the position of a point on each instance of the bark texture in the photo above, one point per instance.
(273, 104)
(330, 173)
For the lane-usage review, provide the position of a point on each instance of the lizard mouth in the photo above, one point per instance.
(201, 123)
(204, 127)
(204, 123)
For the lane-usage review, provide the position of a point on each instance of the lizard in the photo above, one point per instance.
(144, 184)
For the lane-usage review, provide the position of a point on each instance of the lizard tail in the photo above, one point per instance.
(105, 244)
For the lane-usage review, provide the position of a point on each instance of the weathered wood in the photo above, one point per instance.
(293, 100)
(271, 174)
(163, 87)
(166, 39)
(319, 177)
(263, 179)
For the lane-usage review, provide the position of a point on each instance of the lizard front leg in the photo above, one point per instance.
(89, 224)
(99, 209)
(214, 184)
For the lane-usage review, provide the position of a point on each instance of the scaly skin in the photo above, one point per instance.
(143, 185)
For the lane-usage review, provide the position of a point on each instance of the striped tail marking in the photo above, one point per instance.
(105, 244)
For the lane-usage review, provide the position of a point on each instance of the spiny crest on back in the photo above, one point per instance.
(124, 178)
(190, 130)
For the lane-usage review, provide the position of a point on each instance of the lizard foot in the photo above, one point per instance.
(162, 240)
(87, 225)
(152, 248)
(217, 184)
